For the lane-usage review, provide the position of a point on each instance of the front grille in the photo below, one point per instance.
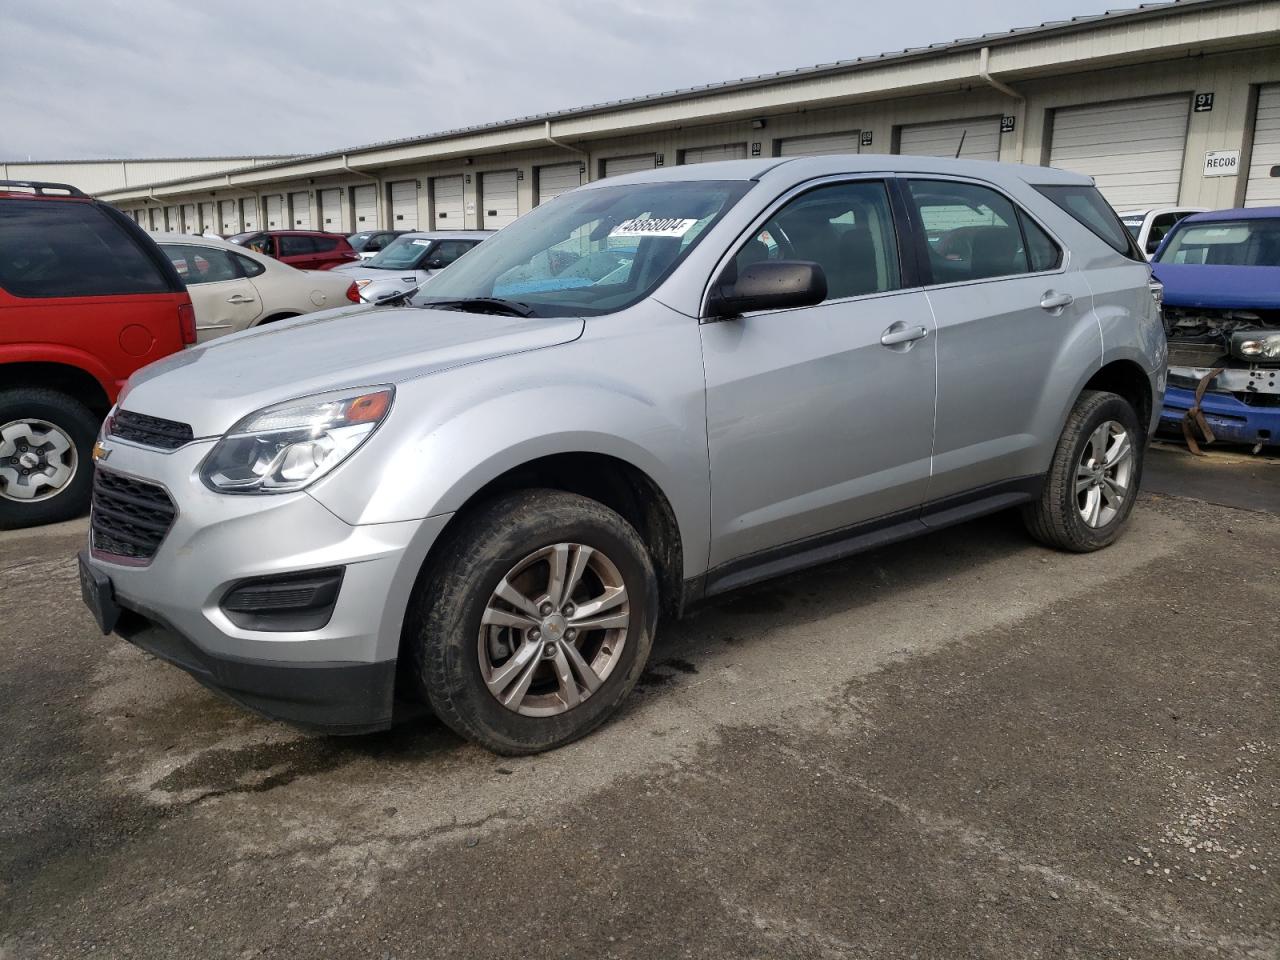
(150, 431)
(130, 517)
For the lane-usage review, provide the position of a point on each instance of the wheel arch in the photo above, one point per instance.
(66, 378)
(1129, 380)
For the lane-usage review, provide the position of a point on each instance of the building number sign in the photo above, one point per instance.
(1204, 102)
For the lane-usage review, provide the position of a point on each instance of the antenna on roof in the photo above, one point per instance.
(960, 145)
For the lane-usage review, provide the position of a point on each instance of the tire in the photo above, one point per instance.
(1058, 518)
(28, 413)
(449, 659)
(275, 318)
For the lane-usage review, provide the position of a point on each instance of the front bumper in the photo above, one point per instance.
(1231, 420)
(340, 676)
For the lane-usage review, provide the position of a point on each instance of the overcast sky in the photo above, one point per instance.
(138, 78)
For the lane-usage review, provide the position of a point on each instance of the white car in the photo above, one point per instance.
(409, 261)
(1148, 227)
(233, 288)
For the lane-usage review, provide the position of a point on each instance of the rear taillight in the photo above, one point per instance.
(353, 293)
(187, 322)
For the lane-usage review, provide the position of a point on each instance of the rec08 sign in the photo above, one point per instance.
(1221, 163)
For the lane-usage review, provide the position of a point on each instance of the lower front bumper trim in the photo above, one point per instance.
(331, 697)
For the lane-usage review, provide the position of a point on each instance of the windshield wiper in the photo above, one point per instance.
(512, 308)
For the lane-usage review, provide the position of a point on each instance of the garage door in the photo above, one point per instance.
(726, 151)
(275, 212)
(365, 201)
(229, 223)
(1134, 148)
(404, 205)
(330, 210)
(208, 218)
(300, 210)
(1263, 190)
(557, 179)
(447, 192)
(976, 139)
(820, 145)
(249, 213)
(498, 202)
(616, 166)
(171, 215)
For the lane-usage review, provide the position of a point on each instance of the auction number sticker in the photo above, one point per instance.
(652, 227)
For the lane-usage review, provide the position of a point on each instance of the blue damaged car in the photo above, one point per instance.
(1221, 276)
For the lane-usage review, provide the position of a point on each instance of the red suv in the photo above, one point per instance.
(304, 249)
(86, 298)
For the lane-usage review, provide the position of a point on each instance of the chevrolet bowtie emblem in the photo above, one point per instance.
(100, 452)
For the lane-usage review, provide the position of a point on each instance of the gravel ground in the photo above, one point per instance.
(961, 746)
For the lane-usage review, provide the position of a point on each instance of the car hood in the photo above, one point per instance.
(1221, 287)
(360, 271)
(214, 385)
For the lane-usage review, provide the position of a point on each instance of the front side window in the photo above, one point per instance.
(1236, 243)
(324, 244)
(846, 228)
(197, 264)
(975, 233)
(70, 249)
(591, 252)
(447, 251)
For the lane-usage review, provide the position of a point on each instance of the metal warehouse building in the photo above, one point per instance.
(1167, 103)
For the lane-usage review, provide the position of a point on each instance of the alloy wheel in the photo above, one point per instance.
(553, 629)
(1104, 474)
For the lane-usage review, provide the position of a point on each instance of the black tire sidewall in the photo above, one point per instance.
(1106, 407)
(515, 528)
(74, 418)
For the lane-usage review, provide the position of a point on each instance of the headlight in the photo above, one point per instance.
(284, 447)
(1257, 344)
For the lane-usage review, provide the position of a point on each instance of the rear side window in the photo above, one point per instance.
(61, 249)
(249, 267)
(971, 232)
(295, 246)
(1086, 205)
(324, 244)
(1041, 250)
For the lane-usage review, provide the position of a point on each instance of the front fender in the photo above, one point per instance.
(452, 433)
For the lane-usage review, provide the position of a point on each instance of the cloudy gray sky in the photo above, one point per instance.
(136, 78)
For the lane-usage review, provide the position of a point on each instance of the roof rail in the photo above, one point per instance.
(40, 188)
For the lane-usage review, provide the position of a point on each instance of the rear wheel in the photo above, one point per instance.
(46, 457)
(1093, 480)
(534, 623)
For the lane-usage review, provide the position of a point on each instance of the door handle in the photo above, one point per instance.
(1056, 301)
(900, 333)
(239, 298)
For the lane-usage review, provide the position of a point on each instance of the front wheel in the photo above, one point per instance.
(1093, 480)
(534, 622)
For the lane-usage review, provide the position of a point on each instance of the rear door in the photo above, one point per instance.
(1013, 317)
(820, 419)
(224, 298)
(297, 251)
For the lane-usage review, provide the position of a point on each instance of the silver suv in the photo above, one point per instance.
(647, 392)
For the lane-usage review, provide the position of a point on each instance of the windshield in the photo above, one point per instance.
(1236, 243)
(590, 251)
(403, 253)
(1133, 225)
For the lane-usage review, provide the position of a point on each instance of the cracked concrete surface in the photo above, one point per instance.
(961, 746)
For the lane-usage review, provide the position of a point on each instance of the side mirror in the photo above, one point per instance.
(769, 285)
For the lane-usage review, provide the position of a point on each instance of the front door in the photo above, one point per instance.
(820, 419)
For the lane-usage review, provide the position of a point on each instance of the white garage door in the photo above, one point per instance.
(726, 151)
(189, 221)
(404, 205)
(498, 202)
(557, 179)
(821, 145)
(616, 166)
(447, 192)
(365, 200)
(275, 212)
(300, 210)
(1134, 148)
(171, 215)
(249, 213)
(229, 223)
(208, 218)
(330, 202)
(976, 139)
(1263, 190)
